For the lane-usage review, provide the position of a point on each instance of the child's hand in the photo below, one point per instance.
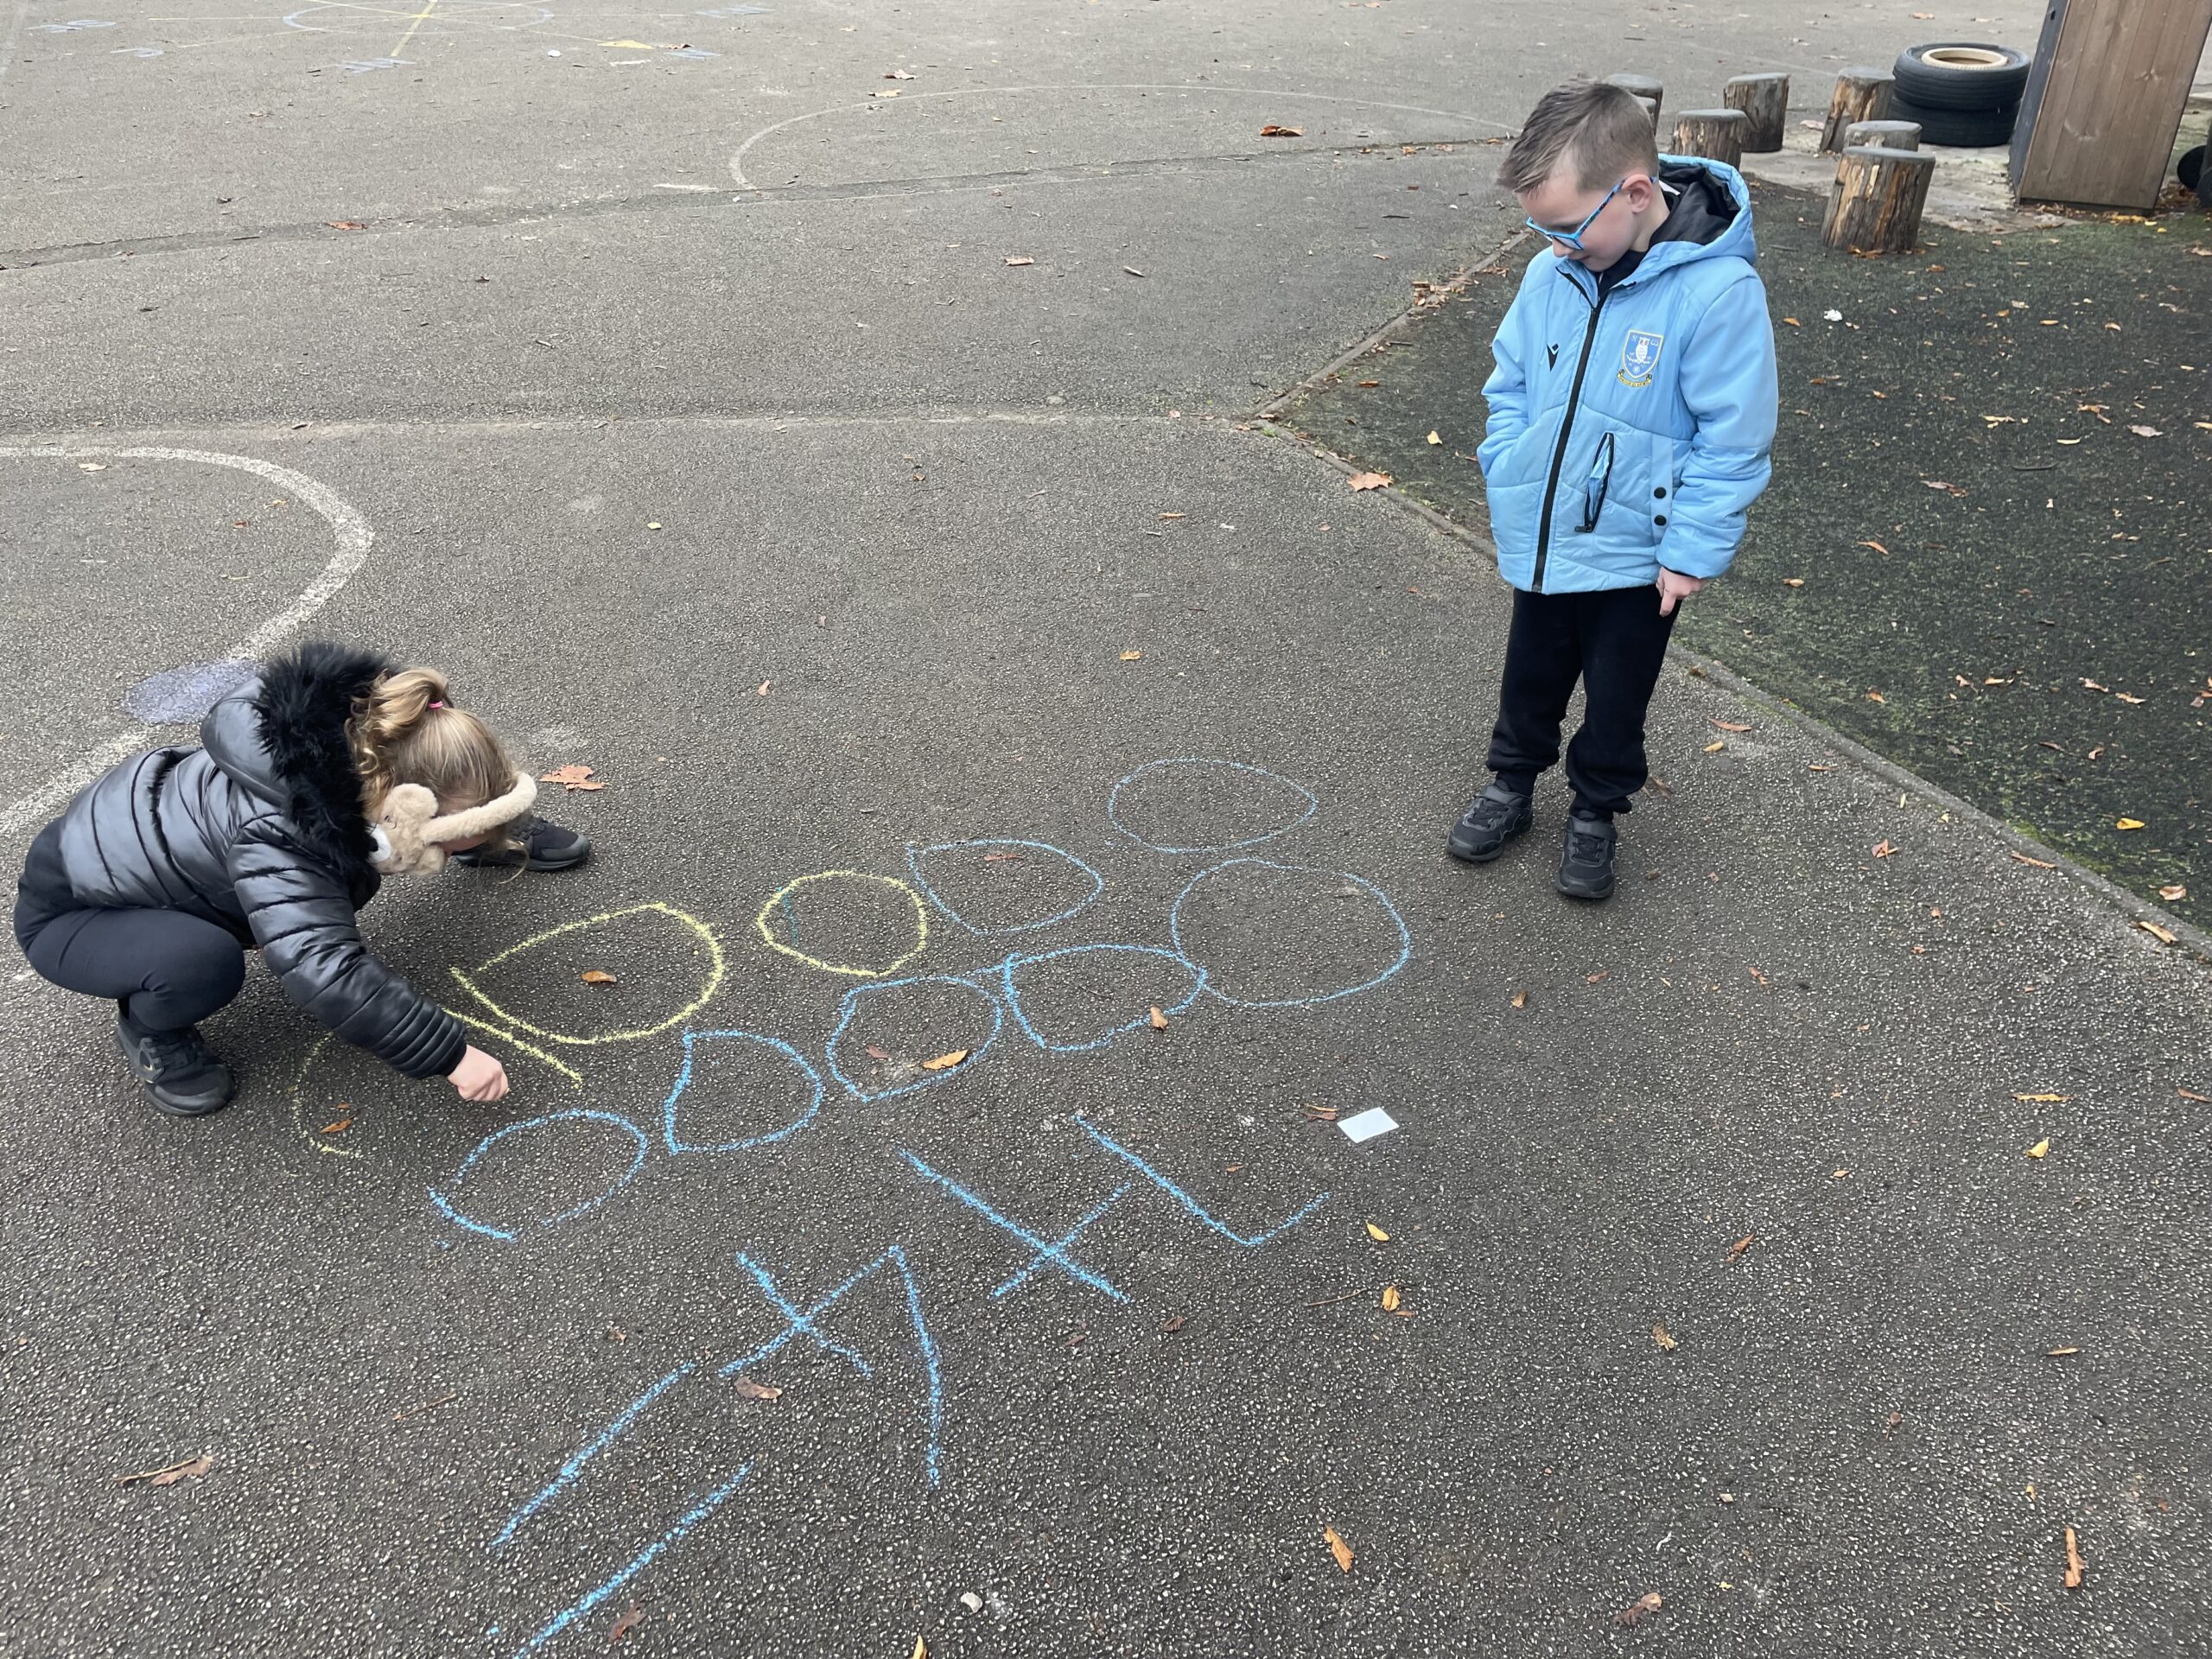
(1673, 587)
(479, 1076)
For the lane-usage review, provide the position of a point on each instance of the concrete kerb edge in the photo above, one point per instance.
(2133, 906)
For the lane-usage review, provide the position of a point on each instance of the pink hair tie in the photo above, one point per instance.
(438, 705)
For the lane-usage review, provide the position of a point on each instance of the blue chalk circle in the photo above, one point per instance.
(453, 1213)
(1114, 804)
(1175, 932)
(185, 694)
(811, 1081)
(850, 1006)
(1083, 1042)
(917, 856)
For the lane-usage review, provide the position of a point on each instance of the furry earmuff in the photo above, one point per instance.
(410, 834)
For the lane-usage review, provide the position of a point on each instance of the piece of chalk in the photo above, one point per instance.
(1365, 1126)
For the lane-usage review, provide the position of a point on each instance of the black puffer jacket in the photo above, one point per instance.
(261, 830)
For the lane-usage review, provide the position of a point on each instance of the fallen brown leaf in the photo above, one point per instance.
(190, 1469)
(1741, 1246)
(346, 224)
(1002, 858)
(1131, 656)
(876, 1053)
(752, 1390)
(1883, 849)
(2164, 935)
(1175, 1324)
(1876, 697)
(762, 689)
(1667, 1343)
(1391, 1300)
(597, 976)
(2044, 1100)
(1271, 131)
(1643, 1607)
(1338, 1549)
(2039, 863)
(1020, 259)
(1876, 546)
(2191, 1094)
(2074, 1565)
(1377, 1234)
(1728, 725)
(1598, 978)
(921, 1649)
(2173, 895)
(2127, 823)
(945, 1062)
(1792, 581)
(1369, 480)
(628, 1620)
(338, 1127)
(1174, 515)
(1520, 999)
(2041, 1148)
(1368, 385)
(570, 777)
(2059, 1353)
(1157, 1020)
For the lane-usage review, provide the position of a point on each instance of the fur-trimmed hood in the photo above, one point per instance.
(282, 739)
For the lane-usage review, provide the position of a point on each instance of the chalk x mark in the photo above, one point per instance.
(572, 1471)
(1054, 1254)
(1250, 1241)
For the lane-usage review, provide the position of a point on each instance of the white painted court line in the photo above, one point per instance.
(354, 536)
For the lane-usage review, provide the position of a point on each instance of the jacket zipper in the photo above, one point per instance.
(1566, 431)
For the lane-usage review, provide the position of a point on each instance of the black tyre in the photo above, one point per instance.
(1964, 129)
(2190, 168)
(1963, 75)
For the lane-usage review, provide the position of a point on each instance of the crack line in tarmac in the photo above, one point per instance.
(596, 207)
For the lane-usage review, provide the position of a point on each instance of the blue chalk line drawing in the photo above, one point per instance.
(916, 854)
(1250, 1241)
(798, 1323)
(851, 1005)
(1114, 804)
(1012, 965)
(1054, 1254)
(573, 1469)
(1405, 934)
(644, 1559)
(691, 1039)
(447, 1208)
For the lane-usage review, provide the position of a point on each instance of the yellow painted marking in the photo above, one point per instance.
(775, 899)
(429, 6)
(717, 966)
(568, 1072)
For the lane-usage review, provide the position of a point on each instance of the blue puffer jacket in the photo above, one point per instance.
(1632, 432)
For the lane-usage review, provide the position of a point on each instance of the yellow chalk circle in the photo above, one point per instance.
(323, 1144)
(778, 900)
(515, 1022)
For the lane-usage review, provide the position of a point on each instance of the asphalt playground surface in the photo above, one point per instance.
(908, 603)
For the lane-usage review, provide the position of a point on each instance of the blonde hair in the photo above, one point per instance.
(405, 730)
(1598, 126)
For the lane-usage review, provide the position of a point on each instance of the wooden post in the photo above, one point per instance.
(1643, 86)
(1875, 205)
(1765, 100)
(1890, 134)
(1651, 107)
(1717, 134)
(1860, 95)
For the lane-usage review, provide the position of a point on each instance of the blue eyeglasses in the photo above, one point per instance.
(1574, 239)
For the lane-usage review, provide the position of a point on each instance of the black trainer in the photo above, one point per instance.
(1585, 865)
(1498, 814)
(180, 1075)
(544, 847)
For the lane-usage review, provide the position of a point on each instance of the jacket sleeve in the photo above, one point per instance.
(1727, 378)
(1506, 389)
(302, 918)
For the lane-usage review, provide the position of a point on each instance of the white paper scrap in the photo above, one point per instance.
(1365, 1126)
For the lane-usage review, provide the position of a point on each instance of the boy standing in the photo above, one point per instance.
(1632, 413)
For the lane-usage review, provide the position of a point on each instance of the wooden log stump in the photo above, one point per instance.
(1860, 95)
(1890, 134)
(1765, 99)
(1643, 86)
(1875, 204)
(1717, 134)
(1650, 108)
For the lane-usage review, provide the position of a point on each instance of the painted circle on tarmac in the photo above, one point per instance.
(1287, 936)
(1009, 852)
(798, 914)
(904, 1076)
(1077, 956)
(1193, 804)
(747, 1043)
(451, 1212)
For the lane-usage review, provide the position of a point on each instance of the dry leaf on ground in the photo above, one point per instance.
(1436, 437)
(2059, 1353)
(1660, 1336)
(2044, 1100)
(2164, 935)
(570, 777)
(752, 1390)
(1157, 1020)
(190, 1469)
(1131, 656)
(1741, 1246)
(2173, 895)
(945, 1062)
(1598, 978)
(2039, 863)
(2040, 1148)
(1728, 725)
(626, 1621)
(1391, 1300)
(1520, 999)
(2191, 1094)
(1377, 1234)
(2127, 823)
(897, 75)
(1792, 581)
(921, 1649)
(1338, 1549)
(1643, 1607)
(2074, 1565)
(1271, 131)
(338, 1127)
(1175, 1324)
(1020, 259)
(1369, 480)
(1883, 849)
(596, 976)
(876, 1053)
(345, 224)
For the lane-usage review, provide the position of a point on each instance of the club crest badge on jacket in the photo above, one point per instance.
(1639, 357)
